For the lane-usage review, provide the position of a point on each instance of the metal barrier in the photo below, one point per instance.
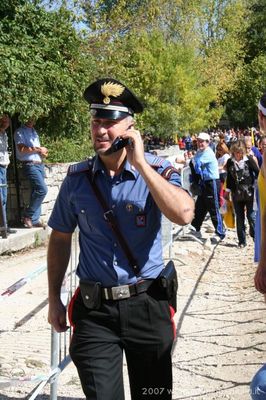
(3, 226)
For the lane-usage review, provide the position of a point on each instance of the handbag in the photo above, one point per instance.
(229, 215)
(243, 193)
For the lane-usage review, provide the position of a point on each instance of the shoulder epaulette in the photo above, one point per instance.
(153, 160)
(82, 166)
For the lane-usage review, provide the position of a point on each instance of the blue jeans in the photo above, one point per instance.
(240, 208)
(258, 385)
(35, 174)
(3, 190)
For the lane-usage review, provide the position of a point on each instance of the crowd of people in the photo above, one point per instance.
(232, 165)
(224, 166)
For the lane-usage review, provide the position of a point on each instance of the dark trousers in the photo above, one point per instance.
(209, 201)
(242, 208)
(142, 328)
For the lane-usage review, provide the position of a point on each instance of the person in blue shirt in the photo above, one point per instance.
(205, 172)
(117, 308)
(31, 154)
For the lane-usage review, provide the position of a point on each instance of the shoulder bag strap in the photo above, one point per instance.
(110, 218)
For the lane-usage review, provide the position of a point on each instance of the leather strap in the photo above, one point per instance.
(110, 218)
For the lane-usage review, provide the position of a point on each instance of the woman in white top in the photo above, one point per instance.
(222, 155)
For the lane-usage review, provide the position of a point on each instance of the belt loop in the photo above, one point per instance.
(106, 294)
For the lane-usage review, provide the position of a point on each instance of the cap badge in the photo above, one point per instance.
(111, 89)
(129, 207)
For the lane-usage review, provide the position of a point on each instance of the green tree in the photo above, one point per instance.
(43, 68)
(241, 106)
(198, 44)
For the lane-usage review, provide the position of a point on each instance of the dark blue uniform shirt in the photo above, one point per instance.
(139, 219)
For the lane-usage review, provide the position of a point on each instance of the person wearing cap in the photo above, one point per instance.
(205, 172)
(119, 306)
(31, 154)
(258, 383)
(4, 162)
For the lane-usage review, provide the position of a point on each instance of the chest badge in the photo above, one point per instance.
(141, 220)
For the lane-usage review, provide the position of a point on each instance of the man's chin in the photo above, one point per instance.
(100, 150)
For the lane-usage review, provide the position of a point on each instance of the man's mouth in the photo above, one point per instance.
(103, 140)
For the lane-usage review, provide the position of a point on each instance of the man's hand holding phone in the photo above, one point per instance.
(132, 140)
(135, 151)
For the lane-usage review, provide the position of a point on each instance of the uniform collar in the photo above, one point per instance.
(98, 166)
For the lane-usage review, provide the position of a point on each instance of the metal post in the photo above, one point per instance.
(3, 226)
(54, 362)
(13, 126)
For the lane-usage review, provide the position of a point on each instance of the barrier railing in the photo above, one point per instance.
(3, 226)
(183, 232)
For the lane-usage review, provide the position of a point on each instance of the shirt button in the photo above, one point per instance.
(113, 206)
(115, 245)
(115, 262)
(82, 211)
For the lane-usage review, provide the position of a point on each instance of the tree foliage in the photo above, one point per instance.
(42, 67)
(186, 60)
(186, 51)
(242, 102)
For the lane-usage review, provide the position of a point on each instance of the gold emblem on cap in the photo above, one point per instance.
(129, 207)
(111, 89)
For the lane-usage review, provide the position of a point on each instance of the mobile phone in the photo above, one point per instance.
(117, 144)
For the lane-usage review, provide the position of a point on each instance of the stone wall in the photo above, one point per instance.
(18, 198)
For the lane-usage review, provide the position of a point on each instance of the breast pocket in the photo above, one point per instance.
(90, 219)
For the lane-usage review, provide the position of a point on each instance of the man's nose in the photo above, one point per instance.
(102, 128)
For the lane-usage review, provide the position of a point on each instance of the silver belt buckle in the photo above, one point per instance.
(120, 292)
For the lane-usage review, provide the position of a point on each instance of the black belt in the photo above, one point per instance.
(3, 166)
(125, 291)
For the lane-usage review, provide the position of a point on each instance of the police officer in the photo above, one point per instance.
(117, 308)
